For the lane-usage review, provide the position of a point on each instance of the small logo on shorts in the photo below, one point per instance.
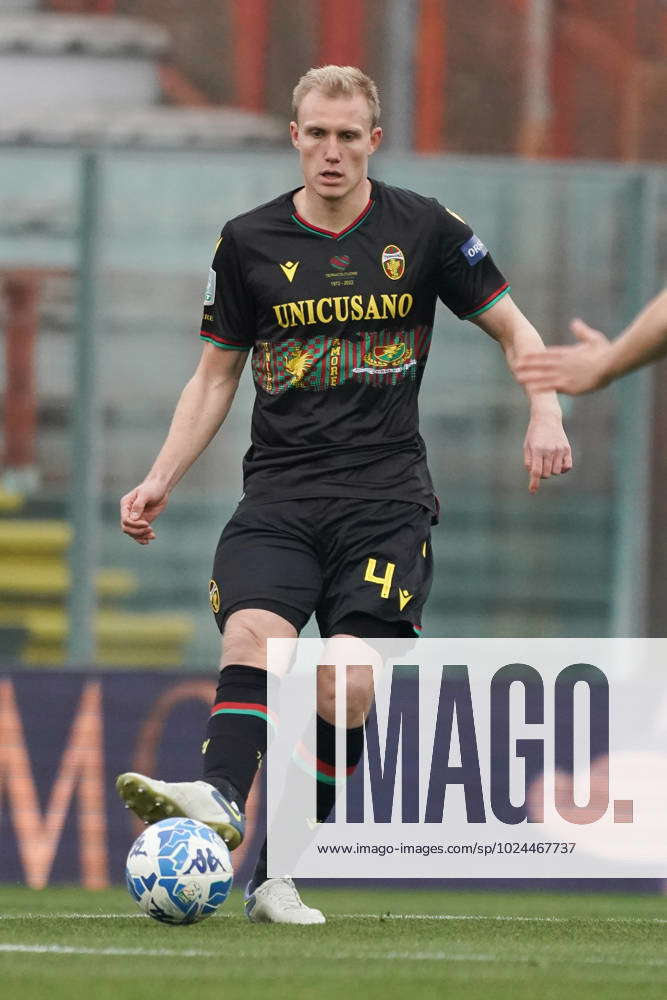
(214, 596)
(393, 262)
(403, 597)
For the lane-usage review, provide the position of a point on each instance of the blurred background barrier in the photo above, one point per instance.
(63, 739)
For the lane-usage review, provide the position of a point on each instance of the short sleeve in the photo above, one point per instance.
(228, 319)
(468, 282)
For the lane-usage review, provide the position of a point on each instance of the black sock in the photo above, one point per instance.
(321, 765)
(236, 735)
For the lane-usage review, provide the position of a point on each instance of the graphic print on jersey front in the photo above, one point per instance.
(377, 359)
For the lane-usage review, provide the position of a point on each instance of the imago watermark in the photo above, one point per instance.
(468, 758)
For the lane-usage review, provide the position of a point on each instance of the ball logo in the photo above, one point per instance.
(393, 262)
(214, 596)
(341, 262)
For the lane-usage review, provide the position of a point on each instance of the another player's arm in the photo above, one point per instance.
(546, 449)
(199, 414)
(596, 361)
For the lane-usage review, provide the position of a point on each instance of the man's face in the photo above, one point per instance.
(334, 139)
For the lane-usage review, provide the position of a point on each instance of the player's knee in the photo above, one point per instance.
(358, 694)
(245, 634)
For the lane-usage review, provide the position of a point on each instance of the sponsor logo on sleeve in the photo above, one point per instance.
(209, 295)
(473, 250)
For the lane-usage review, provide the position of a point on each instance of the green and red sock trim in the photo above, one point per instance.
(317, 768)
(245, 708)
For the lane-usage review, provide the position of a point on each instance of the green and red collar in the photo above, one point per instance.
(326, 233)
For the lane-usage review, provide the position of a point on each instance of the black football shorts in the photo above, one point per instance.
(364, 567)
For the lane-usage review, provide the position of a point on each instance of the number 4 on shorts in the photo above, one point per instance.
(383, 581)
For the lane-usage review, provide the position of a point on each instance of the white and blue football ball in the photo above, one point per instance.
(179, 871)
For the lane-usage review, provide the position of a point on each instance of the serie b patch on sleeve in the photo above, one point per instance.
(209, 294)
(473, 250)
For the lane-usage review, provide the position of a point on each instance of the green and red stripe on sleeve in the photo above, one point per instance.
(489, 301)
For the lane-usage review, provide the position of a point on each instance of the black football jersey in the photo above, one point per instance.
(339, 325)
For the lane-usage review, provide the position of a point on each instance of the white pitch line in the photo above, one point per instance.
(444, 956)
(62, 949)
(73, 916)
(421, 956)
(509, 918)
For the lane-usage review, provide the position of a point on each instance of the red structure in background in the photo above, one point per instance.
(618, 61)
(83, 6)
(430, 61)
(20, 290)
(251, 21)
(343, 35)
(605, 67)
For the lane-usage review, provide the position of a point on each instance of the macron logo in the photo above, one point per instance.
(473, 250)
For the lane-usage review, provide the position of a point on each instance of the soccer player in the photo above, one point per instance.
(596, 361)
(333, 288)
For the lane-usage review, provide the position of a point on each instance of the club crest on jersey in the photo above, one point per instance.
(393, 262)
(388, 355)
(341, 262)
(214, 596)
(289, 269)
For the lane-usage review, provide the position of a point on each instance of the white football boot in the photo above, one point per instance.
(277, 901)
(153, 800)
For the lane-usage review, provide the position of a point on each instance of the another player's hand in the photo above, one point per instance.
(139, 508)
(546, 449)
(574, 370)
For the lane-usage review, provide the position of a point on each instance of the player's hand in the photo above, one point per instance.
(574, 370)
(139, 508)
(546, 450)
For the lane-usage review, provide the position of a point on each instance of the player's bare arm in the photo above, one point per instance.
(596, 361)
(546, 449)
(199, 414)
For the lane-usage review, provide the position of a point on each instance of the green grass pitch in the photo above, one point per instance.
(377, 945)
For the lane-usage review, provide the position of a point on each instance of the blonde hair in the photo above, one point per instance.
(338, 81)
